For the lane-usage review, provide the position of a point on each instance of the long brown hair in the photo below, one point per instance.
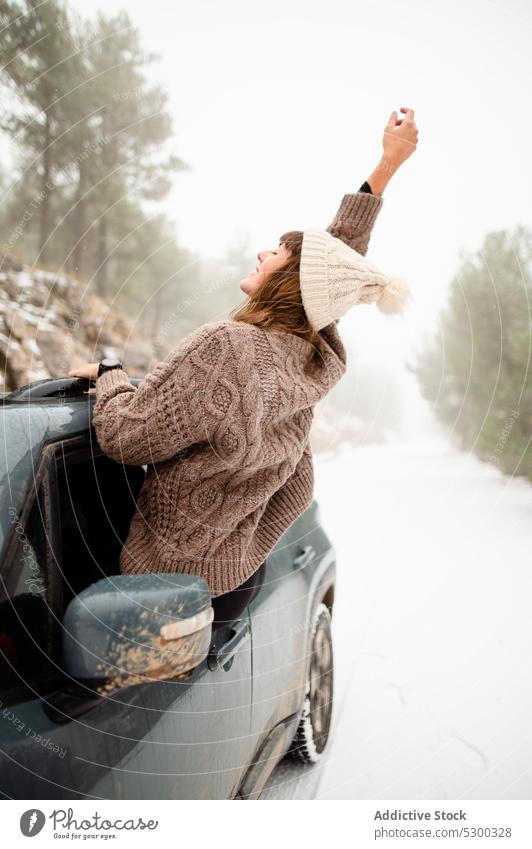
(277, 303)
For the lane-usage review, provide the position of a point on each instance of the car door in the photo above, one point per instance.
(183, 739)
(279, 629)
(299, 570)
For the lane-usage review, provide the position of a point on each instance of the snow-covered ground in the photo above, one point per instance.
(432, 628)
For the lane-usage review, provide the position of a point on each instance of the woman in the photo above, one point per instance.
(223, 421)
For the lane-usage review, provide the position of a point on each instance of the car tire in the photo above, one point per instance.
(314, 725)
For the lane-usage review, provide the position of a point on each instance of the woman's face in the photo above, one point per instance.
(269, 261)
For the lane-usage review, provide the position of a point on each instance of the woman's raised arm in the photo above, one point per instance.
(356, 216)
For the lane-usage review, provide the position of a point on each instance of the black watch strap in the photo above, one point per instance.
(108, 364)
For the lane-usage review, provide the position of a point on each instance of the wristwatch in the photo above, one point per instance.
(108, 365)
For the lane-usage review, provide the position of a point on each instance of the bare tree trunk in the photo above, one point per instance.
(45, 226)
(80, 210)
(156, 315)
(102, 282)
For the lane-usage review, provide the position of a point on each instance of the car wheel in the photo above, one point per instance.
(314, 725)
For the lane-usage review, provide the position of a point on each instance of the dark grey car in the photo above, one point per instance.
(115, 686)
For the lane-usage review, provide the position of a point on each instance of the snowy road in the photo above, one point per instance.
(432, 628)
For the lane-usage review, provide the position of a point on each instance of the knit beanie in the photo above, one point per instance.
(333, 277)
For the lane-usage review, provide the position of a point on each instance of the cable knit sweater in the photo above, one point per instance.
(223, 424)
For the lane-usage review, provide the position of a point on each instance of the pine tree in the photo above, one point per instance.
(38, 55)
(477, 373)
(125, 134)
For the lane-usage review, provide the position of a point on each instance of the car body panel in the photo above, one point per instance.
(158, 740)
(280, 617)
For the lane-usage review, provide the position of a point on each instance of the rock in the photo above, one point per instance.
(9, 263)
(14, 324)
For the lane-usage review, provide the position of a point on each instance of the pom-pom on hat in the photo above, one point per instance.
(333, 277)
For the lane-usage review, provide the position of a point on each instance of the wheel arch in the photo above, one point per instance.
(328, 597)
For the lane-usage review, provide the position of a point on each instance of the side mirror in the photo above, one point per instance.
(125, 629)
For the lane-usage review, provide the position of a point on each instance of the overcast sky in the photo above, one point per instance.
(279, 109)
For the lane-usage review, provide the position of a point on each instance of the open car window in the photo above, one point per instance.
(96, 501)
(68, 535)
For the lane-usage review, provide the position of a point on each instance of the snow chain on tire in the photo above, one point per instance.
(307, 746)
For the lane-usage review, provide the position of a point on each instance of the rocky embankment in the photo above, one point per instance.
(50, 323)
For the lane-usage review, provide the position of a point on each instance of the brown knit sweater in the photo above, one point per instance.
(223, 423)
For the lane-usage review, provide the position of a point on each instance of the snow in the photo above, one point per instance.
(34, 315)
(432, 629)
(21, 279)
(59, 280)
(37, 374)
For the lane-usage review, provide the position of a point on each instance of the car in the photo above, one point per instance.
(116, 686)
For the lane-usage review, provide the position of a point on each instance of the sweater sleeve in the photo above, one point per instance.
(355, 218)
(171, 410)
